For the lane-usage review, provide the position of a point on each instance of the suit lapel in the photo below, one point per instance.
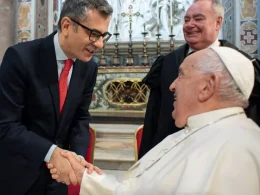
(49, 62)
(181, 54)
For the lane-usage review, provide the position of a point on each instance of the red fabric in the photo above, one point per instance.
(74, 190)
(89, 154)
(63, 82)
(139, 135)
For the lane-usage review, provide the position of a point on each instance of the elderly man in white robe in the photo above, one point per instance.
(217, 152)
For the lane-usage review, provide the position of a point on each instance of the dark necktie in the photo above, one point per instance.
(63, 82)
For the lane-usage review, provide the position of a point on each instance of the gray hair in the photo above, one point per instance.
(216, 6)
(229, 91)
(77, 9)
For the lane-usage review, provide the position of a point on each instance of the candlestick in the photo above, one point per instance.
(145, 56)
(116, 60)
(171, 40)
(103, 58)
(158, 41)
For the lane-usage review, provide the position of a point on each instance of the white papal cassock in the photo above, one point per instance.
(218, 153)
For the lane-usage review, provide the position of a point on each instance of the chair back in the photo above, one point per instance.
(138, 139)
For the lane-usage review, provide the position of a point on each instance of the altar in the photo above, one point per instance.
(119, 91)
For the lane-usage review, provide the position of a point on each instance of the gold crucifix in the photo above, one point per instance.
(130, 14)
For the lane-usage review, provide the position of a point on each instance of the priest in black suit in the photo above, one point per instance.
(46, 87)
(203, 21)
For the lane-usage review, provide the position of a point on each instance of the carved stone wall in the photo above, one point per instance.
(229, 21)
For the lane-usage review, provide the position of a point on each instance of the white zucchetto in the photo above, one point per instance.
(240, 68)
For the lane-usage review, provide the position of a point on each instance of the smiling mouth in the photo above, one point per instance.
(192, 33)
(174, 97)
(90, 50)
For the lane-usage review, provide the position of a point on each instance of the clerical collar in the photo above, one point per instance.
(200, 120)
(216, 43)
(60, 55)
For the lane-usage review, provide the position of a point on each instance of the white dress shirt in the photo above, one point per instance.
(60, 57)
(216, 43)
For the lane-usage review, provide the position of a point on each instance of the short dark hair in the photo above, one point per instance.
(77, 9)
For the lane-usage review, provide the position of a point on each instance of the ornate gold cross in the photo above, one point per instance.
(130, 14)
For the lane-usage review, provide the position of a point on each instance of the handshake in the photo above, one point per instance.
(68, 168)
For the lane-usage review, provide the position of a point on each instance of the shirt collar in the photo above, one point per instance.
(216, 43)
(60, 55)
(199, 120)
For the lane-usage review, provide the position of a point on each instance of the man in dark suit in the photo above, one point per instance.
(203, 21)
(46, 87)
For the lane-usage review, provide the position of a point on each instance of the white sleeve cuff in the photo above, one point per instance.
(49, 154)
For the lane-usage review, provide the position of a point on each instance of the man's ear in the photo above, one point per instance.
(65, 25)
(208, 87)
(219, 23)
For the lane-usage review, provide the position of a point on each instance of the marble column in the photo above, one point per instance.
(7, 21)
(229, 21)
(42, 18)
(47, 16)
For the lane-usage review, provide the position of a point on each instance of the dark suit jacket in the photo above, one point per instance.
(29, 111)
(158, 122)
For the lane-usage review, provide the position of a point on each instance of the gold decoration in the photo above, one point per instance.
(126, 92)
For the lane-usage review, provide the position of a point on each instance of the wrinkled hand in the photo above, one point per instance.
(78, 164)
(63, 167)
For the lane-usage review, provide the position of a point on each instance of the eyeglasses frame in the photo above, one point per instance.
(91, 31)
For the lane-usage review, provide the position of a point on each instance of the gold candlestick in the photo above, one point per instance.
(158, 41)
(171, 39)
(116, 61)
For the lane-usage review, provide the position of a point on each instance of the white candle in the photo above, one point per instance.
(158, 19)
(171, 12)
(115, 11)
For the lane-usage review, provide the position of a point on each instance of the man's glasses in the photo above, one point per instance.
(94, 35)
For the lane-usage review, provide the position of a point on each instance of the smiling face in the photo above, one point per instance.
(201, 25)
(187, 90)
(75, 42)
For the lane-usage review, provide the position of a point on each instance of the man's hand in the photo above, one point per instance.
(63, 167)
(78, 164)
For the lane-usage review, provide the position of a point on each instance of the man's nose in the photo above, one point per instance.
(173, 85)
(99, 43)
(190, 23)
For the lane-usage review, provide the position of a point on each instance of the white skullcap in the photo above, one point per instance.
(240, 68)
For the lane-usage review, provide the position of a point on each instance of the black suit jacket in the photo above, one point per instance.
(158, 122)
(29, 111)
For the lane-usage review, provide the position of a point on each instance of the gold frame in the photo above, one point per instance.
(122, 80)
